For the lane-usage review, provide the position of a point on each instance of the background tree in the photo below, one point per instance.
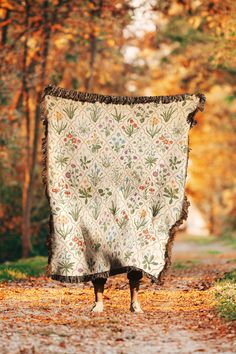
(96, 45)
(43, 42)
(192, 49)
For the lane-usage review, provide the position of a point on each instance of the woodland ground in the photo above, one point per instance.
(43, 316)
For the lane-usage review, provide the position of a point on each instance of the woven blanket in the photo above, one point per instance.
(114, 170)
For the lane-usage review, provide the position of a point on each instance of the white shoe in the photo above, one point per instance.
(97, 307)
(135, 307)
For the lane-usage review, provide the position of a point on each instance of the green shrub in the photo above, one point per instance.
(225, 293)
(23, 268)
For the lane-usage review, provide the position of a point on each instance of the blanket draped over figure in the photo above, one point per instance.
(114, 170)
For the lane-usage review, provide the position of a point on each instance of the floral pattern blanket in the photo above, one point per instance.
(114, 170)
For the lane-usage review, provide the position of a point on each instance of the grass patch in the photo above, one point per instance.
(23, 268)
(225, 294)
(184, 264)
(229, 240)
(201, 240)
(213, 252)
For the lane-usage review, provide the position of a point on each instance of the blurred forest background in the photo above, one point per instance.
(115, 47)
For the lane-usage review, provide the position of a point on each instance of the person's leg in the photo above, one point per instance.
(98, 284)
(134, 277)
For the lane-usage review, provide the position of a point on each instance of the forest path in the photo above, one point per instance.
(43, 316)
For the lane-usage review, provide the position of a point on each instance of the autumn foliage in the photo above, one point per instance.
(100, 46)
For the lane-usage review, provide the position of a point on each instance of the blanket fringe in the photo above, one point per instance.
(107, 274)
(93, 97)
(75, 95)
(43, 118)
(200, 107)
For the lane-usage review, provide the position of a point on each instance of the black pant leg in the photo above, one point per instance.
(100, 281)
(135, 275)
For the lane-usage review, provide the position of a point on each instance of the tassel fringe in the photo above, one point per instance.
(75, 95)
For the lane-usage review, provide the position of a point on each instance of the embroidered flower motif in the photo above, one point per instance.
(155, 121)
(58, 116)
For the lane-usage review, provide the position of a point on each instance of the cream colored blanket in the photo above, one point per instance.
(114, 170)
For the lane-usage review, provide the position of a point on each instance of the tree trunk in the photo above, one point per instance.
(93, 52)
(5, 28)
(93, 47)
(26, 246)
(31, 166)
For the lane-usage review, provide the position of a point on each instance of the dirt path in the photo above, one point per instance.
(41, 316)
